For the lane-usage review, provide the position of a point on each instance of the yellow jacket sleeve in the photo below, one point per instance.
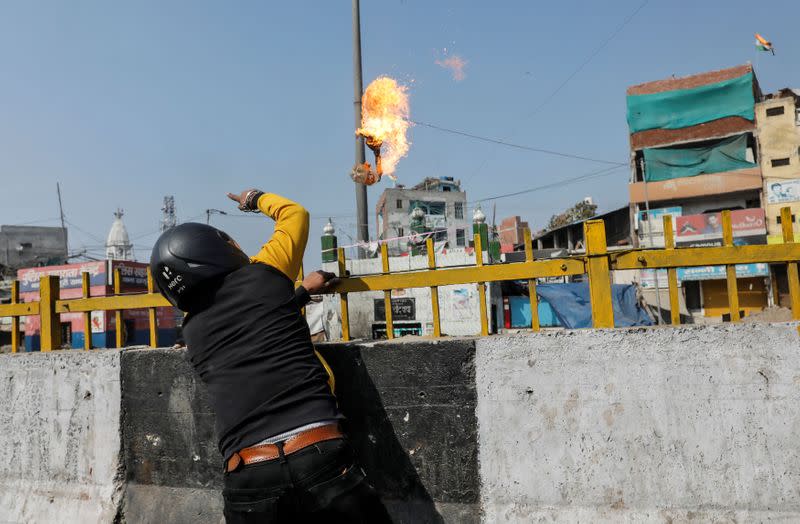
(284, 251)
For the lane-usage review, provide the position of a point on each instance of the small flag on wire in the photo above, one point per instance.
(762, 44)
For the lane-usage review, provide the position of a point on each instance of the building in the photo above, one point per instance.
(118, 244)
(133, 277)
(778, 132)
(412, 313)
(23, 246)
(694, 151)
(511, 233)
(444, 204)
(570, 236)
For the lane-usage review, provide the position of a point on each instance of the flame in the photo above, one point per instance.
(384, 121)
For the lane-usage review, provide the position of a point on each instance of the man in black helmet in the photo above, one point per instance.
(286, 458)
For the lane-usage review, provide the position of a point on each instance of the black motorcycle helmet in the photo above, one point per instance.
(188, 257)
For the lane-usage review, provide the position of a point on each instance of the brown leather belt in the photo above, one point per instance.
(264, 452)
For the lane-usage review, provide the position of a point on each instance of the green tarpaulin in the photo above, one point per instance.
(673, 162)
(688, 107)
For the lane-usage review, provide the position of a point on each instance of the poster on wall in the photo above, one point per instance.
(783, 191)
(749, 227)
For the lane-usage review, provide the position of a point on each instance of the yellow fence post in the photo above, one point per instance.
(87, 315)
(119, 331)
(481, 286)
(730, 269)
(15, 320)
(50, 327)
(343, 296)
(437, 324)
(791, 267)
(387, 295)
(672, 275)
(594, 232)
(532, 298)
(152, 315)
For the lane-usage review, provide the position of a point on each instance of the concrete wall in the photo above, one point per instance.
(647, 425)
(640, 425)
(411, 414)
(60, 437)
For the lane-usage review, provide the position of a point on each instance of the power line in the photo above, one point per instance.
(98, 239)
(577, 70)
(594, 174)
(588, 59)
(515, 146)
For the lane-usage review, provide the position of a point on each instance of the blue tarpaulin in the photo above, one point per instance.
(572, 307)
(688, 107)
(666, 163)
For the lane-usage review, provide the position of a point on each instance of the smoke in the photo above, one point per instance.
(456, 65)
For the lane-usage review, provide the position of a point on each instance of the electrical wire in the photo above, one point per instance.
(588, 59)
(593, 174)
(515, 146)
(577, 70)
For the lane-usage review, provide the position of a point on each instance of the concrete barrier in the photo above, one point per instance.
(648, 425)
(641, 425)
(60, 437)
(411, 415)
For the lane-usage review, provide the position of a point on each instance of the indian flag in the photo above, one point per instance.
(762, 44)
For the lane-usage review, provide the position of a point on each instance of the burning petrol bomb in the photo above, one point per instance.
(384, 126)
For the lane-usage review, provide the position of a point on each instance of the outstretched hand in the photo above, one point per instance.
(319, 282)
(241, 198)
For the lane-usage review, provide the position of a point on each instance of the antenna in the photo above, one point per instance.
(61, 212)
(168, 219)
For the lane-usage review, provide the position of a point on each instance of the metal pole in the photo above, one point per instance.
(650, 235)
(61, 212)
(362, 226)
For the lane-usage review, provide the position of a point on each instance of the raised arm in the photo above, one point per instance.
(284, 251)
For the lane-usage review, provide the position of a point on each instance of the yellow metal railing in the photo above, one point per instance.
(596, 264)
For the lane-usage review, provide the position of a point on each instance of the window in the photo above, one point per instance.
(460, 239)
(777, 162)
(399, 204)
(775, 111)
(446, 188)
(459, 210)
(440, 235)
(778, 219)
(400, 232)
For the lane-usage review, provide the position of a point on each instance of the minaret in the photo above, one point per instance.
(118, 245)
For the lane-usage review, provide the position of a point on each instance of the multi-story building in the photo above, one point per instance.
(444, 204)
(694, 152)
(22, 246)
(778, 132)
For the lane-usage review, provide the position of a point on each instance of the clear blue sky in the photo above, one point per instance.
(125, 103)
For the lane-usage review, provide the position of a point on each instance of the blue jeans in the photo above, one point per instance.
(320, 483)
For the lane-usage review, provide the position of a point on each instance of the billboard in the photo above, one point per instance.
(657, 216)
(782, 191)
(69, 275)
(718, 272)
(749, 227)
